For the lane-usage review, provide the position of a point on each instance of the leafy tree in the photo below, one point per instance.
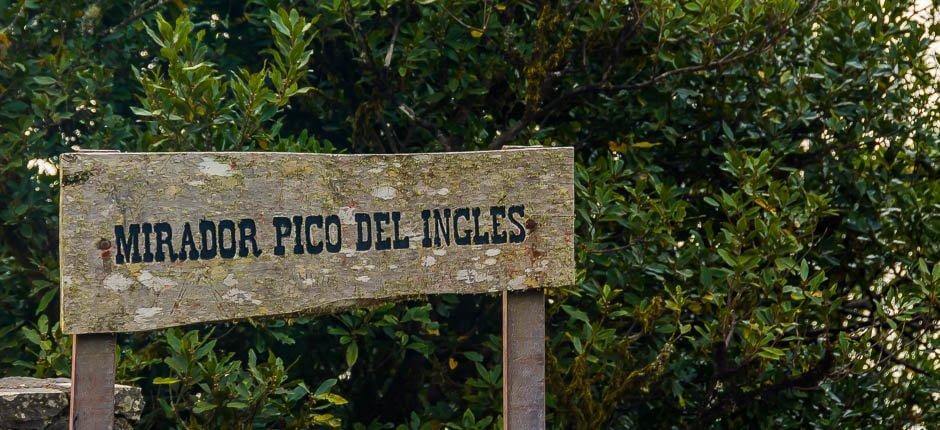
(757, 200)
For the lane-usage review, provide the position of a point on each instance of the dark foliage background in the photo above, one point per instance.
(757, 200)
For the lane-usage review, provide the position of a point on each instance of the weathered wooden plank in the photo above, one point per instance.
(92, 393)
(253, 199)
(524, 360)
(523, 357)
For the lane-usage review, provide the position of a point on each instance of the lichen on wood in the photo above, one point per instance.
(261, 196)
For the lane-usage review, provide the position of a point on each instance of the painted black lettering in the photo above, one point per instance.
(426, 217)
(309, 222)
(227, 225)
(298, 230)
(164, 235)
(128, 250)
(281, 230)
(364, 239)
(519, 235)
(381, 244)
(207, 228)
(147, 229)
(399, 242)
(478, 239)
(441, 225)
(331, 245)
(498, 212)
(190, 241)
(465, 238)
(247, 231)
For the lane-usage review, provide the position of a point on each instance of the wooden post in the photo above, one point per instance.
(92, 397)
(524, 360)
(523, 357)
(91, 402)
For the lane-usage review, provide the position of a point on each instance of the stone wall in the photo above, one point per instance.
(43, 404)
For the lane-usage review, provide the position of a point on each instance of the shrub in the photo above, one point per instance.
(756, 184)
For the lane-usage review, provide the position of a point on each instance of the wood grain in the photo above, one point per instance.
(524, 360)
(91, 405)
(103, 190)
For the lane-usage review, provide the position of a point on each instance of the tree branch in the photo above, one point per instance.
(131, 18)
(810, 379)
(604, 87)
(19, 14)
(896, 360)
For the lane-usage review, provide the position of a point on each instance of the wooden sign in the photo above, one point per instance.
(152, 240)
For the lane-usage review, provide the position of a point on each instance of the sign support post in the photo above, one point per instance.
(523, 314)
(524, 360)
(92, 394)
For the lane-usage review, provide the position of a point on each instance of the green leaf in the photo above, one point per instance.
(161, 380)
(666, 329)
(727, 131)
(43, 80)
(424, 348)
(576, 342)
(141, 112)
(173, 340)
(204, 350)
(333, 399)
(474, 356)
(194, 67)
(279, 24)
(352, 354)
(236, 404)
(202, 406)
(771, 353)
(576, 314)
(31, 335)
(817, 280)
(43, 324)
(325, 386)
(726, 256)
(46, 299)
(644, 145)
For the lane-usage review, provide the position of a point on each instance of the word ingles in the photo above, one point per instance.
(316, 234)
(462, 236)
